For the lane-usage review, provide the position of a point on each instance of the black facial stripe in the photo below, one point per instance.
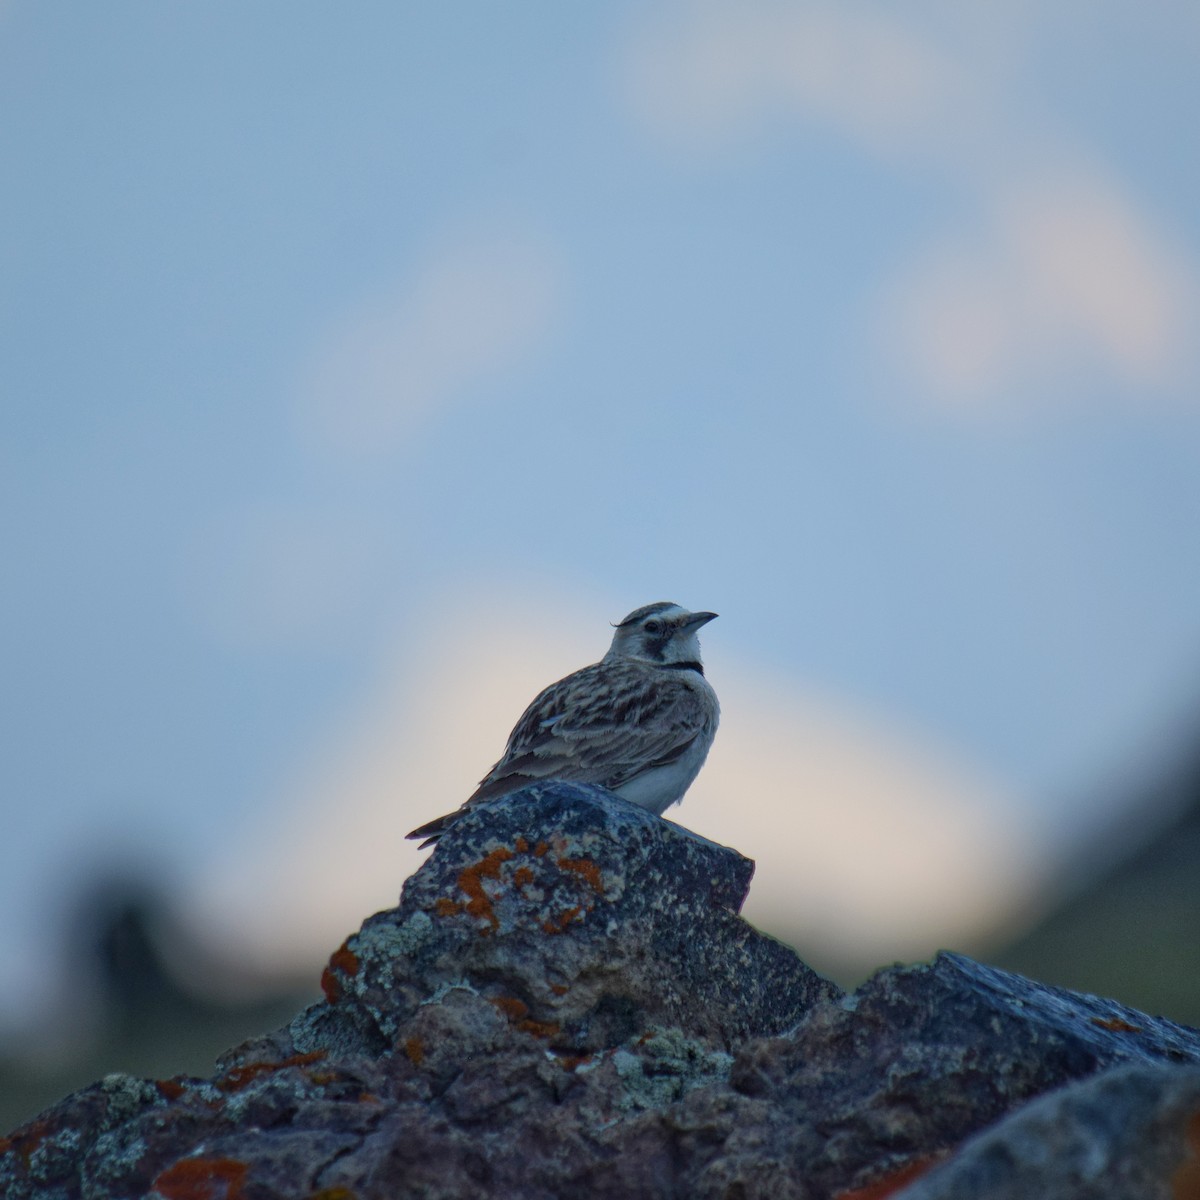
(684, 666)
(656, 646)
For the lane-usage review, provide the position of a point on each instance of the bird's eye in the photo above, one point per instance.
(653, 627)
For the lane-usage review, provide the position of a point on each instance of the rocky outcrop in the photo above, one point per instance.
(566, 1004)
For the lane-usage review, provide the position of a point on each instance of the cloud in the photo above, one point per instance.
(870, 846)
(1055, 280)
(478, 308)
(872, 843)
(1063, 278)
(713, 71)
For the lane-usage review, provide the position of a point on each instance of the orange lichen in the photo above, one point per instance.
(569, 1062)
(558, 989)
(510, 1006)
(1116, 1025)
(523, 877)
(521, 845)
(541, 1029)
(331, 987)
(445, 907)
(202, 1179)
(470, 881)
(558, 924)
(585, 869)
(344, 959)
(517, 1011)
(540, 850)
(170, 1089)
(27, 1139)
(1185, 1182)
(334, 1193)
(893, 1181)
(237, 1078)
(415, 1049)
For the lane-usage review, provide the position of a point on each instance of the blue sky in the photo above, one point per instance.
(336, 342)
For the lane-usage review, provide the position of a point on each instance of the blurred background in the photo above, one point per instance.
(360, 363)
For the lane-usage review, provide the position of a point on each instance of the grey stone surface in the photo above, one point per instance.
(595, 917)
(1132, 1133)
(565, 1003)
(898, 1073)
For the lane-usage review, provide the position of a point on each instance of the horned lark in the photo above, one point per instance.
(639, 722)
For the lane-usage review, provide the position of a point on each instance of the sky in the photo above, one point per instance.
(360, 364)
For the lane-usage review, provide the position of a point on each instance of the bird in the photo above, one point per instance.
(639, 722)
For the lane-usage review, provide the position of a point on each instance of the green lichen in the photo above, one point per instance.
(113, 1157)
(663, 1067)
(124, 1096)
(444, 989)
(54, 1155)
(386, 943)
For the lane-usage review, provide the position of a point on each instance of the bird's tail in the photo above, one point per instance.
(432, 830)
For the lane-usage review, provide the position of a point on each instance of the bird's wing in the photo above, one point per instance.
(607, 723)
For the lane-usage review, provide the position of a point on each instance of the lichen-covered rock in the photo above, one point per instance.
(919, 1057)
(585, 920)
(1132, 1133)
(566, 1004)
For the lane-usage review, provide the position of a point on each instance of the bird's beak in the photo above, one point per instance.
(695, 620)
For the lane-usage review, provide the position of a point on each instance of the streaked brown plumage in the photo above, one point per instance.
(639, 722)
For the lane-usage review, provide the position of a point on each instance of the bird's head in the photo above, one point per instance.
(659, 633)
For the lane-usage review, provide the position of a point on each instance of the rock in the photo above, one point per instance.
(588, 924)
(1132, 1133)
(890, 1080)
(565, 1003)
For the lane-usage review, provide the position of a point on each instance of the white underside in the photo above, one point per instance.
(658, 789)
